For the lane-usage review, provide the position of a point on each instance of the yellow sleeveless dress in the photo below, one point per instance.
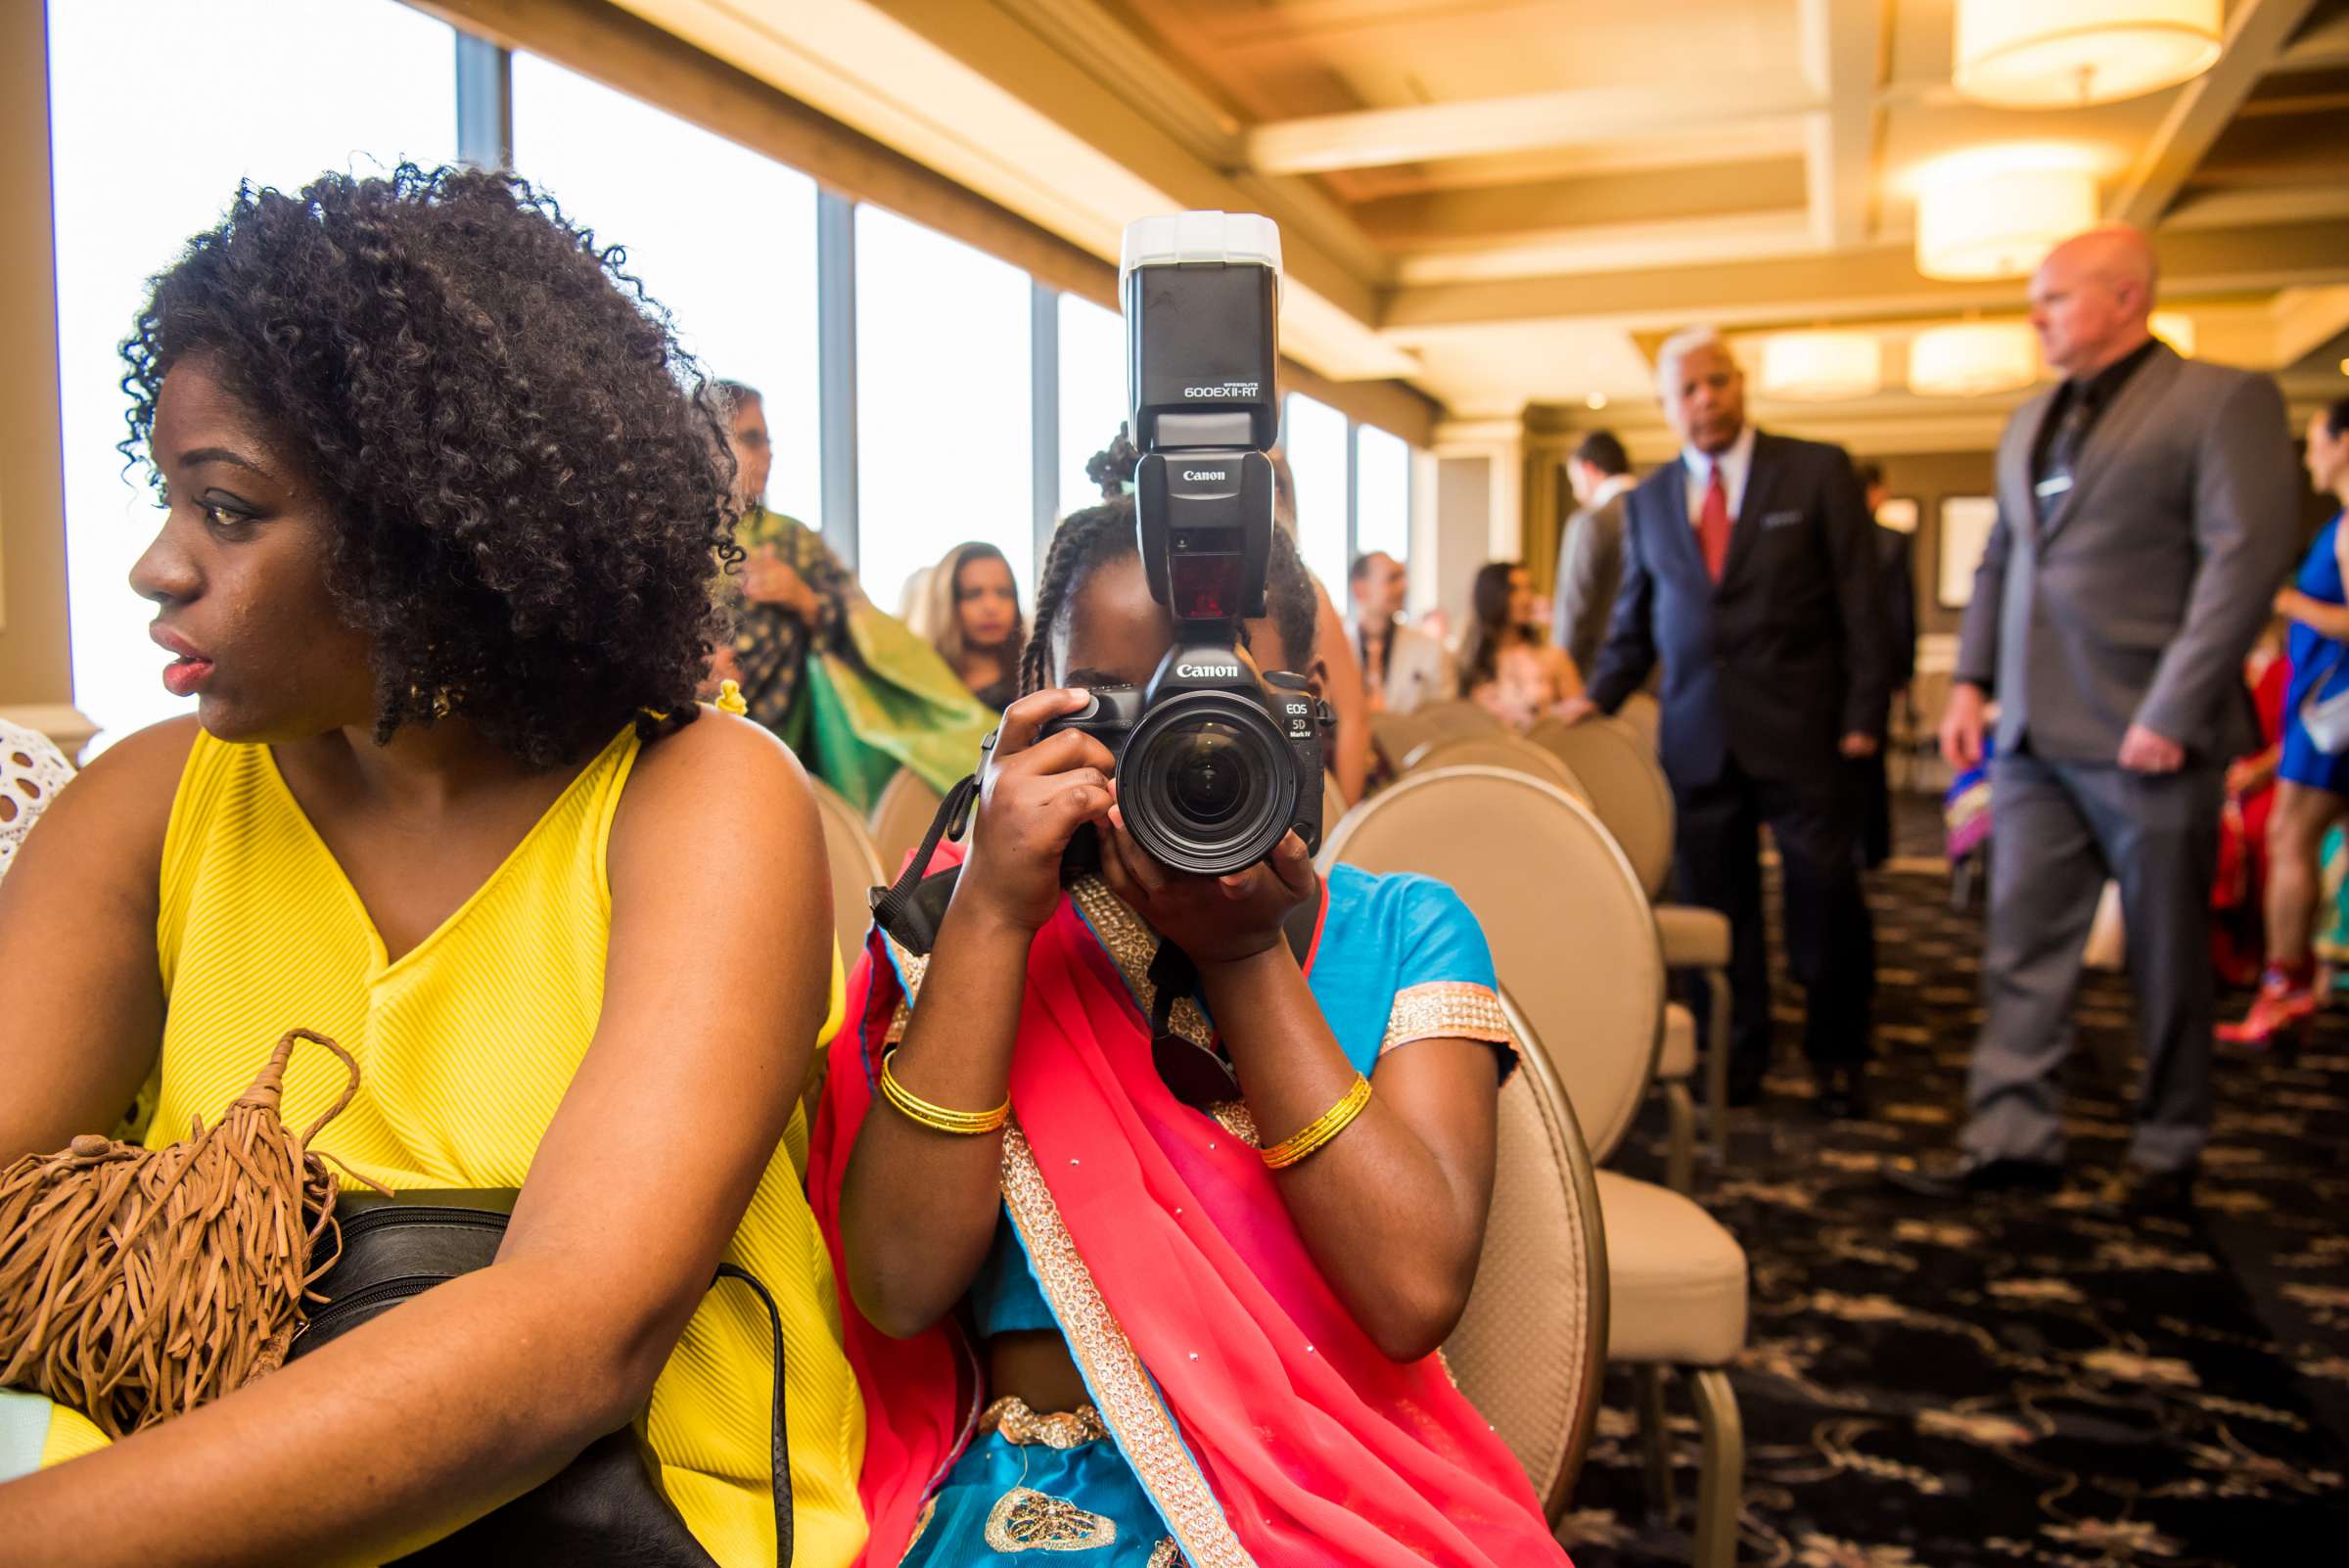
(464, 1045)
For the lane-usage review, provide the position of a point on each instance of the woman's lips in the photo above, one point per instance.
(185, 675)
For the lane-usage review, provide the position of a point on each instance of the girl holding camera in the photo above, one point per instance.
(1171, 1300)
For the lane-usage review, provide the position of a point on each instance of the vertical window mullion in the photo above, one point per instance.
(484, 103)
(1043, 416)
(836, 368)
(1353, 494)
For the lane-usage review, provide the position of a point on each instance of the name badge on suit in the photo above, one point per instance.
(1781, 520)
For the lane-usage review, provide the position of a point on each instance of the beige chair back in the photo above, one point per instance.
(1455, 715)
(1333, 802)
(1499, 748)
(1625, 784)
(1530, 1348)
(855, 867)
(1570, 929)
(1645, 715)
(900, 816)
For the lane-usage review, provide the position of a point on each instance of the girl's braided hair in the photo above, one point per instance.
(1095, 536)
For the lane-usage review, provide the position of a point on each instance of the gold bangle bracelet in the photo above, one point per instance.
(963, 1123)
(1309, 1137)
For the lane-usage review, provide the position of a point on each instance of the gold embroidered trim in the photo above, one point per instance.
(1132, 944)
(1010, 1418)
(1446, 1010)
(1165, 1554)
(1026, 1520)
(1238, 1121)
(921, 1522)
(1128, 1401)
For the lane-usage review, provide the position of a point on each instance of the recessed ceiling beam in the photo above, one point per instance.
(1426, 132)
(2324, 47)
(1843, 54)
(2255, 36)
(1852, 286)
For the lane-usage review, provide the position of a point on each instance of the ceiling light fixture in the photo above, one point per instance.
(1818, 368)
(2028, 54)
(1596, 401)
(1971, 359)
(1996, 211)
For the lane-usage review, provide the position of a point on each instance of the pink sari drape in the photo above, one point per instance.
(1265, 1423)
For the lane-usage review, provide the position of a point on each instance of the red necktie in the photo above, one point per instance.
(1713, 525)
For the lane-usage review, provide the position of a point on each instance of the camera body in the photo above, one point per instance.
(1215, 763)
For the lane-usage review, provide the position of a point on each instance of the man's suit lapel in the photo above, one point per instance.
(1760, 475)
(2015, 492)
(2113, 430)
(1680, 537)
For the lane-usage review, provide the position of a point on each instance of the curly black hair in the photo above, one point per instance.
(1091, 538)
(528, 483)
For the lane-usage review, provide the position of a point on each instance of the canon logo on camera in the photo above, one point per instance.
(1229, 389)
(1195, 474)
(1208, 672)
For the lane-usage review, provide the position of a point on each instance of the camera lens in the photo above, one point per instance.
(1207, 775)
(1207, 782)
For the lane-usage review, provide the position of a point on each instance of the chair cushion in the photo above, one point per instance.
(1692, 938)
(1676, 1279)
(1678, 1059)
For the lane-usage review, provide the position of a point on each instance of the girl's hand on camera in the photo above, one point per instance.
(1214, 919)
(1032, 796)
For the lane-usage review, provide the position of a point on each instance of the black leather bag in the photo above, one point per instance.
(606, 1508)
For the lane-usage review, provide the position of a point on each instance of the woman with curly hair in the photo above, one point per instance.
(1155, 1193)
(440, 519)
(853, 691)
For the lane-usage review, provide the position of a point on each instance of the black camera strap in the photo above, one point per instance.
(910, 909)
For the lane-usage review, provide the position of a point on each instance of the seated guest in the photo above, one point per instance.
(850, 689)
(434, 564)
(1506, 663)
(1401, 667)
(1199, 1283)
(970, 612)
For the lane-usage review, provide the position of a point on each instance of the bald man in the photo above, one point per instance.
(2147, 513)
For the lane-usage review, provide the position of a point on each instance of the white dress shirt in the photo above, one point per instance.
(1735, 464)
(1608, 488)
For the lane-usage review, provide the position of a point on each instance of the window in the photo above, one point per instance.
(1315, 439)
(719, 236)
(1092, 392)
(353, 86)
(942, 405)
(1382, 487)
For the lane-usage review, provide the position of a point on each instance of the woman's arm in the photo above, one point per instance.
(917, 1206)
(1393, 1209)
(77, 954)
(1348, 698)
(464, 1398)
(2328, 620)
(1564, 675)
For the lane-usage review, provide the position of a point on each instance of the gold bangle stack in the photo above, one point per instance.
(963, 1123)
(1309, 1137)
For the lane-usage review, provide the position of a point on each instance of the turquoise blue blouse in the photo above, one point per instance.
(1390, 952)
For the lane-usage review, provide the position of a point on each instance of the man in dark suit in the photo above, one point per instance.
(2147, 513)
(1897, 563)
(1750, 572)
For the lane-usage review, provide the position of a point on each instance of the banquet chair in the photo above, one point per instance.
(856, 868)
(901, 818)
(1645, 715)
(1495, 748)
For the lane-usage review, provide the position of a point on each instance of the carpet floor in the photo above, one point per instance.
(2019, 1380)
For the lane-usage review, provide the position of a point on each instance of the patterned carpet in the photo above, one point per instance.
(2021, 1380)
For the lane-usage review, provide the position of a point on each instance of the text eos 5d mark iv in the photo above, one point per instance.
(1214, 764)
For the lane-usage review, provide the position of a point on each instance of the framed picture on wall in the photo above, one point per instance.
(1899, 512)
(1965, 525)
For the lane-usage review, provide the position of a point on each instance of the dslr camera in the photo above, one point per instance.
(1215, 763)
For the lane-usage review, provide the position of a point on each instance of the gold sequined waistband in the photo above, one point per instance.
(1063, 1429)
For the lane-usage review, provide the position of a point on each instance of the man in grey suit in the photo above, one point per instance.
(1590, 549)
(2147, 512)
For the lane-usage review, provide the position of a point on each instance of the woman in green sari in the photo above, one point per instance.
(850, 689)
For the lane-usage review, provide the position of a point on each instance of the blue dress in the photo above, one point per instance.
(2317, 662)
(1390, 947)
